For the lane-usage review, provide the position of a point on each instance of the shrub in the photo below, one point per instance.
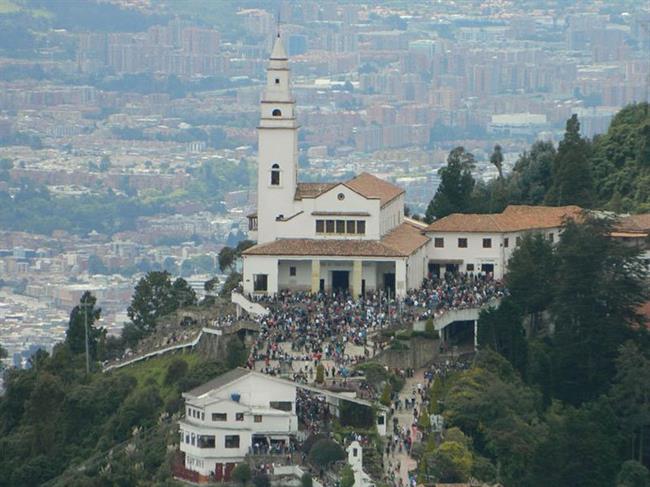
(242, 473)
(306, 480)
(325, 452)
(175, 371)
(320, 374)
(347, 477)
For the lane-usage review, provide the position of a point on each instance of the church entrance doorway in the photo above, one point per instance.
(434, 270)
(487, 268)
(389, 283)
(340, 281)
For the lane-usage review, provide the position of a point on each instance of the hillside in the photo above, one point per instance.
(621, 161)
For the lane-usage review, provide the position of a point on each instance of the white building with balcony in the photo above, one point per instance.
(231, 416)
(244, 412)
(350, 235)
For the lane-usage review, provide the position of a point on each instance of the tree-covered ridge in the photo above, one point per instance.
(559, 393)
(621, 161)
(610, 172)
(64, 426)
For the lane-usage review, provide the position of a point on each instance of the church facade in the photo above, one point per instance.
(353, 235)
(350, 235)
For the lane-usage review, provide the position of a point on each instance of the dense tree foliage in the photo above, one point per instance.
(567, 402)
(156, 296)
(456, 186)
(33, 209)
(75, 337)
(612, 172)
(571, 182)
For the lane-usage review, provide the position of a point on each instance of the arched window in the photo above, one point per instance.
(277, 112)
(275, 175)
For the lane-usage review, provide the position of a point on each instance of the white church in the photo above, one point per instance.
(350, 235)
(353, 235)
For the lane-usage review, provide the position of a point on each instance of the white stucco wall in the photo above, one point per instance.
(392, 215)
(475, 254)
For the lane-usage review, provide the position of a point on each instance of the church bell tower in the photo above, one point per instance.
(277, 170)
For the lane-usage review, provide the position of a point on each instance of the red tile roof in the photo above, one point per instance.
(373, 187)
(514, 218)
(402, 241)
(365, 184)
(634, 223)
(312, 190)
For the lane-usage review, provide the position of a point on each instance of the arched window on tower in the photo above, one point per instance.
(275, 175)
(277, 112)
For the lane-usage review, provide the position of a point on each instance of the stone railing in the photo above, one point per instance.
(254, 309)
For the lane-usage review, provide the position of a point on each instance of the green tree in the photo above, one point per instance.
(347, 476)
(75, 336)
(183, 294)
(236, 353)
(385, 395)
(496, 159)
(232, 281)
(451, 462)
(531, 177)
(211, 284)
(306, 480)
(227, 256)
(572, 181)
(153, 297)
(176, 370)
(320, 374)
(631, 395)
(579, 448)
(599, 287)
(242, 473)
(530, 277)
(501, 329)
(325, 452)
(633, 474)
(454, 195)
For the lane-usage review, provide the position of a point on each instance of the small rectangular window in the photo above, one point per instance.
(239, 416)
(277, 81)
(275, 177)
(506, 242)
(551, 237)
(281, 405)
(351, 226)
(361, 227)
(518, 240)
(469, 267)
(439, 242)
(487, 243)
(329, 226)
(292, 271)
(257, 418)
(219, 417)
(340, 226)
(205, 441)
(320, 226)
(260, 282)
(462, 243)
(232, 441)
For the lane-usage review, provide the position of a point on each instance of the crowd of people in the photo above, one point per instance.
(305, 329)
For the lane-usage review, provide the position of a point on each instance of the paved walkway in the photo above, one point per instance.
(405, 419)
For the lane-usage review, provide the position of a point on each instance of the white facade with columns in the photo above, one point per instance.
(348, 235)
